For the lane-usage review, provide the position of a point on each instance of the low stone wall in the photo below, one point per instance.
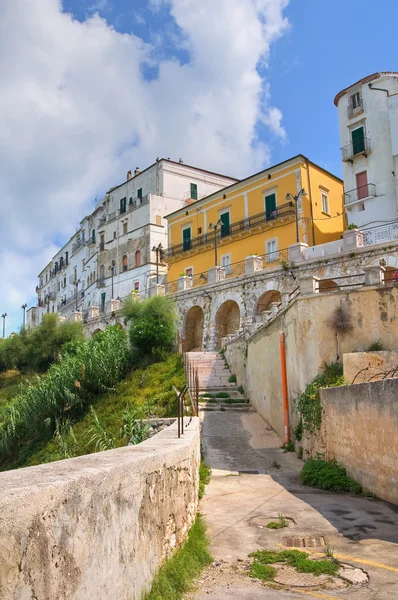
(98, 526)
(365, 366)
(361, 424)
(236, 354)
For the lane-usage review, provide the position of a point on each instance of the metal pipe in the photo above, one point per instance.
(284, 386)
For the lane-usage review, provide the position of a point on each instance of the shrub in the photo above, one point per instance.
(376, 346)
(152, 329)
(241, 390)
(328, 476)
(232, 379)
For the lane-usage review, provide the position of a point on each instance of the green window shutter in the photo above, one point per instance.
(186, 239)
(270, 206)
(358, 140)
(93, 235)
(225, 224)
(139, 193)
(194, 191)
(123, 205)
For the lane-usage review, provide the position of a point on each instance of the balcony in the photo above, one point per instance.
(360, 194)
(101, 283)
(283, 211)
(362, 147)
(78, 244)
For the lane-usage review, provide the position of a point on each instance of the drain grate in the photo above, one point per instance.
(314, 541)
(249, 473)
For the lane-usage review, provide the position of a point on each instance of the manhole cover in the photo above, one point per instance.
(313, 541)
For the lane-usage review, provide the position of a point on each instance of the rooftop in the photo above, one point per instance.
(367, 79)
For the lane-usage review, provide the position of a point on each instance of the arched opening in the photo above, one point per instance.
(327, 285)
(96, 332)
(102, 275)
(193, 329)
(265, 301)
(124, 263)
(227, 320)
(137, 258)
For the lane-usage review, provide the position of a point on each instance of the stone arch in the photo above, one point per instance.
(264, 301)
(327, 285)
(96, 332)
(193, 329)
(227, 320)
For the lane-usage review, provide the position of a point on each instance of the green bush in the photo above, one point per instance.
(85, 370)
(328, 476)
(152, 329)
(204, 478)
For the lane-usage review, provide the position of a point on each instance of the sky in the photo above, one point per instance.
(92, 88)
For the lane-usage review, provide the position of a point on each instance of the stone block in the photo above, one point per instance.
(352, 239)
(308, 285)
(253, 264)
(157, 290)
(296, 252)
(275, 307)
(185, 283)
(266, 315)
(93, 312)
(374, 275)
(76, 317)
(285, 298)
(115, 305)
(216, 274)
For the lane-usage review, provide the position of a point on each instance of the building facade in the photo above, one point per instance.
(113, 252)
(368, 121)
(255, 216)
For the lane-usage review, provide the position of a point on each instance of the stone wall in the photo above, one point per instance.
(361, 423)
(312, 341)
(97, 526)
(365, 366)
(236, 355)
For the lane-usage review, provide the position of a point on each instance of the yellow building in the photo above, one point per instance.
(256, 215)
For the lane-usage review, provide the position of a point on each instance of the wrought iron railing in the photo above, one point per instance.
(364, 191)
(353, 149)
(285, 210)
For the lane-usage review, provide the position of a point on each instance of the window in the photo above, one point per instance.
(123, 205)
(124, 263)
(194, 191)
(83, 236)
(199, 230)
(189, 271)
(59, 286)
(137, 258)
(67, 258)
(325, 203)
(356, 100)
(102, 275)
(75, 274)
(61, 263)
(136, 286)
(272, 253)
(270, 206)
(186, 239)
(103, 299)
(64, 282)
(124, 228)
(358, 140)
(93, 236)
(225, 224)
(226, 263)
(158, 220)
(102, 242)
(114, 235)
(139, 194)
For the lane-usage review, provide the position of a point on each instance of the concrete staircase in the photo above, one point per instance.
(215, 390)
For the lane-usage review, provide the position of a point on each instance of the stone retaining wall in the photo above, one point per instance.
(98, 526)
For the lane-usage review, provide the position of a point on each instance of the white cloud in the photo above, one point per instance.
(76, 113)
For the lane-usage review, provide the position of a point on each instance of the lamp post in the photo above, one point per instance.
(24, 307)
(159, 253)
(76, 283)
(4, 315)
(112, 270)
(296, 198)
(216, 227)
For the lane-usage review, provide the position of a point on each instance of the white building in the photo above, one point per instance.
(368, 119)
(112, 254)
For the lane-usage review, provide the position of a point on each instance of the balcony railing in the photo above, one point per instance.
(364, 191)
(285, 210)
(78, 244)
(348, 152)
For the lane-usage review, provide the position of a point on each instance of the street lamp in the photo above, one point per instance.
(24, 307)
(112, 270)
(4, 315)
(216, 227)
(296, 198)
(159, 255)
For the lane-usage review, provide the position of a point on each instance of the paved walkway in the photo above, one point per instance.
(252, 482)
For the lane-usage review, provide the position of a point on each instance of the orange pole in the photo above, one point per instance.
(284, 386)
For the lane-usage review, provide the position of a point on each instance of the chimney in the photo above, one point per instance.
(136, 171)
(181, 161)
(128, 176)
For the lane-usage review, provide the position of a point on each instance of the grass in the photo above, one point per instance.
(328, 476)
(146, 391)
(264, 572)
(204, 478)
(236, 401)
(10, 386)
(232, 379)
(241, 390)
(288, 447)
(222, 395)
(279, 524)
(295, 558)
(176, 577)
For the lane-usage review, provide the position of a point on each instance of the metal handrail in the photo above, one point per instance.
(348, 150)
(360, 193)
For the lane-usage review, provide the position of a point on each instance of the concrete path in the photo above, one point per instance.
(252, 482)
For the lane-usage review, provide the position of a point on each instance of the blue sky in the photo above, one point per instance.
(93, 88)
